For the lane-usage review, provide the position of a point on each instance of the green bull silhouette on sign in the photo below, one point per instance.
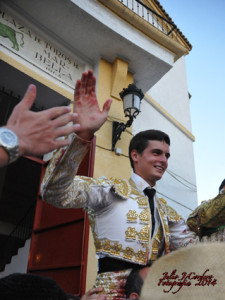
(8, 32)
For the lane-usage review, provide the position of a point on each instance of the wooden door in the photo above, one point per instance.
(59, 244)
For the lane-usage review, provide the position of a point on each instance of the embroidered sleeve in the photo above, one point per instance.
(62, 188)
(60, 172)
(171, 213)
(210, 214)
(181, 235)
(204, 224)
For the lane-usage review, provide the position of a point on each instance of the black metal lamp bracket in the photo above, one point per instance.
(117, 129)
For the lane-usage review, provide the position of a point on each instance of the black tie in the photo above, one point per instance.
(151, 193)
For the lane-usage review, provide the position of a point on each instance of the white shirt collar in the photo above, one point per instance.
(140, 182)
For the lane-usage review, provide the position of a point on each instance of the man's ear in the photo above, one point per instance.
(134, 295)
(134, 155)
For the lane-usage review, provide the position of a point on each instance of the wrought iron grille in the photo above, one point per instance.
(152, 17)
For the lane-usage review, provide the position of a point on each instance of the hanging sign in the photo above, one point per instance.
(40, 53)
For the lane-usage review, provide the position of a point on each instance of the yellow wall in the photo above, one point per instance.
(113, 77)
(106, 161)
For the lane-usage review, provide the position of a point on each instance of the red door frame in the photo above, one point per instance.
(59, 243)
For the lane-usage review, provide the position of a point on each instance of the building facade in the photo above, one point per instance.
(50, 43)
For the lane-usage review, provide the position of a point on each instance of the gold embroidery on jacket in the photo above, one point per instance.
(129, 253)
(157, 242)
(132, 216)
(172, 215)
(142, 202)
(98, 245)
(106, 246)
(131, 233)
(122, 187)
(134, 190)
(144, 234)
(144, 216)
(116, 249)
(140, 256)
(164, 220)
(141, 199)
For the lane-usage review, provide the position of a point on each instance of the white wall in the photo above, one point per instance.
(178, 189)
(171, 92)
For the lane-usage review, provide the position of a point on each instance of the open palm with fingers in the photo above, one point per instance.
(38, 132)
(86, 106)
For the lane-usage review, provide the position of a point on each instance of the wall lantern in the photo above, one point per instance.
(131, 97)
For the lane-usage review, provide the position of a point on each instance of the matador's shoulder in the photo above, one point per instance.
(121, 187)
(171, 213)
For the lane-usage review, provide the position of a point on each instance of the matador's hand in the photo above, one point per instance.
(86, 106)
(94, 294)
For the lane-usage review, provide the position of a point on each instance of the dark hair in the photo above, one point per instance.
(222, 185)
(31, 286)
(134, 283)
(140, 141)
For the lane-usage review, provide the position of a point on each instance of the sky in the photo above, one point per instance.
(203, 23)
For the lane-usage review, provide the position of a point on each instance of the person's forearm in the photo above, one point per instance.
(181, 235)
(61, 170)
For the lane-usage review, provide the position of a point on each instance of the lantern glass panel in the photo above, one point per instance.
(131, 101)
(127, 101)
(137, 102)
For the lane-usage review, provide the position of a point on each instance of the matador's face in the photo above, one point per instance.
(152, 162)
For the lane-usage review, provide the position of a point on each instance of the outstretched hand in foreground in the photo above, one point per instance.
(38, 131)
(90, 118)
